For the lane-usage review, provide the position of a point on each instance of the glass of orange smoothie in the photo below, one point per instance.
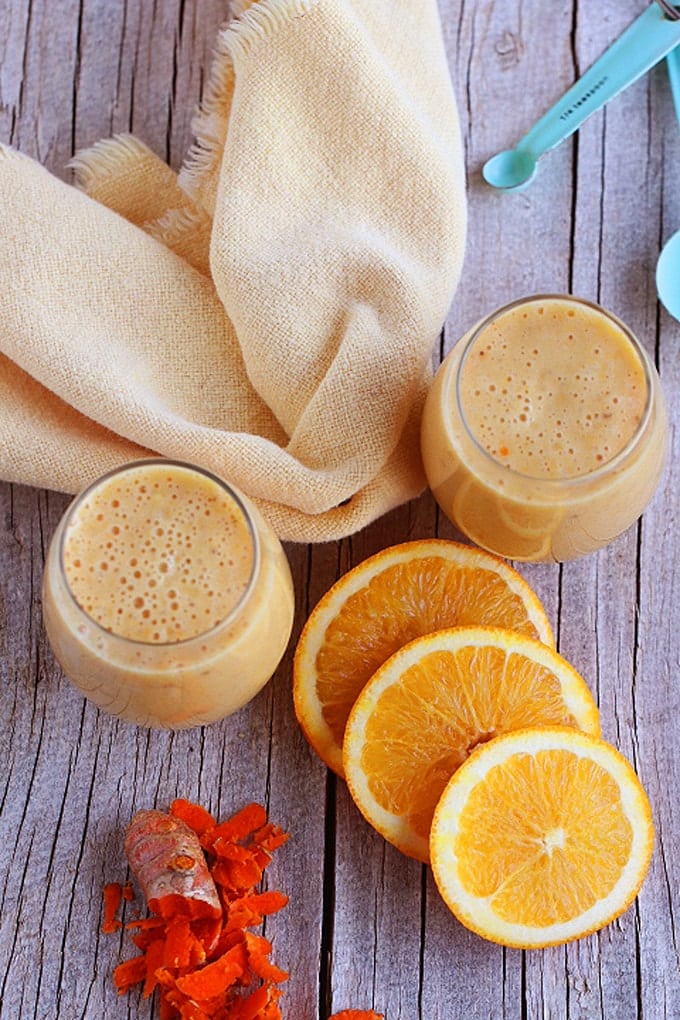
(544, 433)
(167, 598)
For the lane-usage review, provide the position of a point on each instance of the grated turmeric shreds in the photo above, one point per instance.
(199, 878)
(113, 897)
(357, 1014)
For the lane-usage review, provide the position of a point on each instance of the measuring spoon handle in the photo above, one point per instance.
(673, 65)
(642, 45)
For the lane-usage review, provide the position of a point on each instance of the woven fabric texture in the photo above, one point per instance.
(269, 312)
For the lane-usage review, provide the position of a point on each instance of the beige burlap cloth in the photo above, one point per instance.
(268, 313)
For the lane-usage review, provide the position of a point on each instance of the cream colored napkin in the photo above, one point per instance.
(269, 313)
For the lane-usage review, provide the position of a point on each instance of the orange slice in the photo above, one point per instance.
(388, 600)
(428, 707)
(542, 836)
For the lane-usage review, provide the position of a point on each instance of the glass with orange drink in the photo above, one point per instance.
(544, 433)
(168, 599)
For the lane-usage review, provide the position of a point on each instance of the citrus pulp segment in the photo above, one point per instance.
(380, 605)
(432, 703)
(542, 836)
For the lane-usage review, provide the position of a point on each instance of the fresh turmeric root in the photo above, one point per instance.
(168, 862)
(199, 880)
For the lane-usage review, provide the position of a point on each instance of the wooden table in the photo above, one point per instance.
(365, 926)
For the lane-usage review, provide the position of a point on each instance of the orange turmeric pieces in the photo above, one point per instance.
(113, 897)
(356, 1014)
(168, 862)
(197, 949)
(199, 880)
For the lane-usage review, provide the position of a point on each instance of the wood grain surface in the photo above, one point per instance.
(366, 927)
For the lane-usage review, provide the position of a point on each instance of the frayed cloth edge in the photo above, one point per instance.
(104, 159)
(251, 25)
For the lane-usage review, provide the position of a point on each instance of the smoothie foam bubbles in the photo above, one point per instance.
(544, 433)
(553, 392)
(158, 554)
(167, 597)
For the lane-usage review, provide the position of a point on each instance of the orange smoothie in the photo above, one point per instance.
(544, 433)
(168, 600)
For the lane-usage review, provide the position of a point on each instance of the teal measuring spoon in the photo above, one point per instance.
(642, 45)
(668, 266)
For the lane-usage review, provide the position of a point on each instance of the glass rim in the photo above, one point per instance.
(608, 466)
(237, 498)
